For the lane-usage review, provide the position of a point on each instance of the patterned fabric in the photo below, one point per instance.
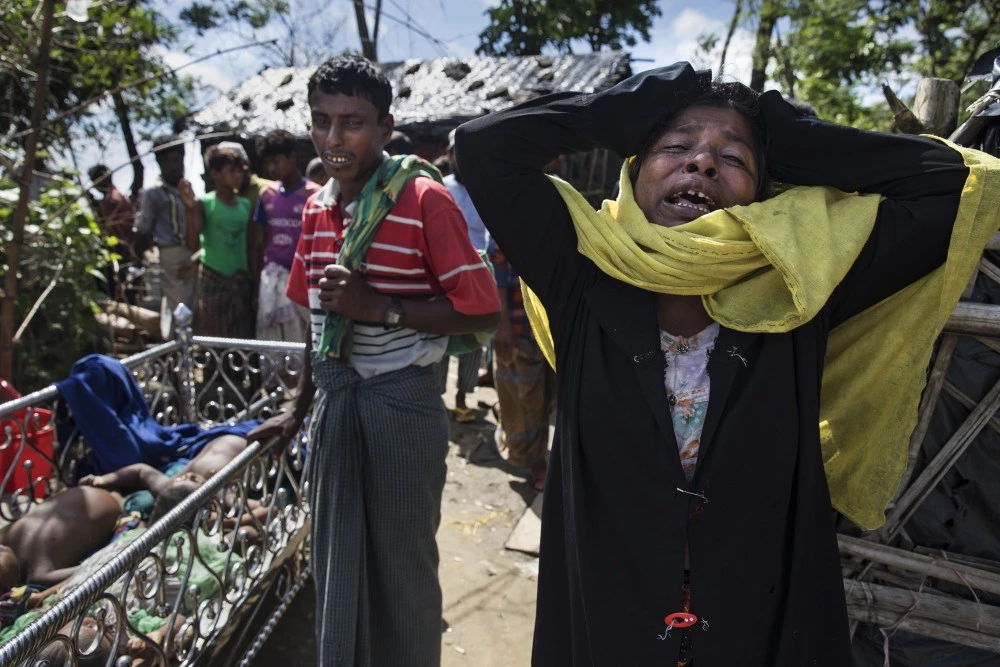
(376, 199)
(468, 370)
(278, 318)
(687, 383)
(280, 211)
(224, 305)
(421, 251)
(507, 279)
(526, 387)
(376, 472)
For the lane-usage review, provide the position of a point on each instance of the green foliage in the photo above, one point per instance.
(834, 54)
(64, 328)
(209, 16)
(120, 43)
(838, 50)
(525, 27)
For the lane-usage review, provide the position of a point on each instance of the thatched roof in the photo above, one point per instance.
(430, 95)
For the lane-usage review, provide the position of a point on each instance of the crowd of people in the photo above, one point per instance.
(693, 321)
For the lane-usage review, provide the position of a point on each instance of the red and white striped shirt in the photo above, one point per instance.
(421, 251)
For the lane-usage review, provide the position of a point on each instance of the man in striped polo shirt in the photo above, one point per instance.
(380, 322)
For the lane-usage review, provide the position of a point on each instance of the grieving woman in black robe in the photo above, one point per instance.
(687, 517)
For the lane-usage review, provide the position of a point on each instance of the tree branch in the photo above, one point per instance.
(139, 82)
(9, 297)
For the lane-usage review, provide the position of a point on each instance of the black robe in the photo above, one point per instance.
(756, 520)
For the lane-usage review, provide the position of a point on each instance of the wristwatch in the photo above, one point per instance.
(393, 315)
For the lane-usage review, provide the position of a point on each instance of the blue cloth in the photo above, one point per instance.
(111, 413)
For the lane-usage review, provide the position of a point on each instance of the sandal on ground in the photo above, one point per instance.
(464, 415)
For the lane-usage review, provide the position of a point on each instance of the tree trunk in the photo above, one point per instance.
(770, 11)
(733, 24)
(367, 45)
(378, 15)
(121, 110)
(936, 105)
(7, 301)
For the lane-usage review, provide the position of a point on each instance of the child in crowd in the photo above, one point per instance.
(280, 212)
(217, 225)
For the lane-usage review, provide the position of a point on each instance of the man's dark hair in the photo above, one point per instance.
(399, 144)
(443, 164)
(353, 76)
(166, 143)
(732, 95)
(315, 166)
(100, 172)
(276, 142)
(216, 158)
(172, 496)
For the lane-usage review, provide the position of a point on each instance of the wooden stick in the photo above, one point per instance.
(925, 604)
(977, 319)
(942, 463)
(924, 627)
(923, 565)
(989, 269)
(926, 410)
(962, 398)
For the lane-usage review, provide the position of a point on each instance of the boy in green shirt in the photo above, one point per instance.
(218, 227)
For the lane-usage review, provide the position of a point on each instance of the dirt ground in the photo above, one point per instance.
(489, 591)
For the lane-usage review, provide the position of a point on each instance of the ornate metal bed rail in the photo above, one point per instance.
(185, 590)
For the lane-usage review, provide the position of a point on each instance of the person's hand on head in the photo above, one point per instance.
(652, 95)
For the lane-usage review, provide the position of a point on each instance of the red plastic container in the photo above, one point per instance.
(39, 428)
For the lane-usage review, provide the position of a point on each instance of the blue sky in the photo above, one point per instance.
(455, 26)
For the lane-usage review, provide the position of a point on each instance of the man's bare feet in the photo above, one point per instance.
(538, 471)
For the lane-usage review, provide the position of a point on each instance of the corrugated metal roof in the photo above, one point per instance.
(428, 92)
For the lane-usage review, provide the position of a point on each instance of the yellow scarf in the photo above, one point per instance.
(770, 267)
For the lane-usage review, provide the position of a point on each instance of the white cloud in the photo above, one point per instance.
(676, 40)
(208, 72)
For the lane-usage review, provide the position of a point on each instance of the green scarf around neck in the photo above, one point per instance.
(373, 203)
